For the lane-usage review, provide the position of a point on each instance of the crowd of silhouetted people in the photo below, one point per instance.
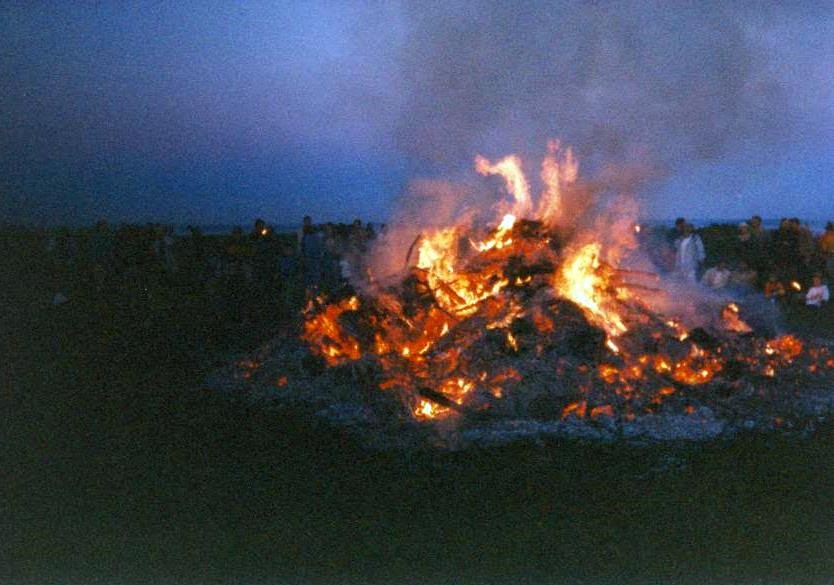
(788, 263)
(260, 265)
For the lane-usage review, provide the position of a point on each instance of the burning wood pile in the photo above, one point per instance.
(547, 324)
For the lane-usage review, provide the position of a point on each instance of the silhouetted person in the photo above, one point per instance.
(677, 232)
(264, 255)
(785, 251)
(805, 243)
(312, 254)
(743, 278)
(774, 289)
(826, 249)
(760, 240)
(195, 261)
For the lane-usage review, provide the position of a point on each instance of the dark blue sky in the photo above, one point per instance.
(195, 111)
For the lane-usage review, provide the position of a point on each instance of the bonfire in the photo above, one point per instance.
(550, 314)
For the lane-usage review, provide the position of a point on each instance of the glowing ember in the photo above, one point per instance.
(577, 409)
(788, 346)
(732, 321)
(326, 336)
(604, 410)
(511, 341)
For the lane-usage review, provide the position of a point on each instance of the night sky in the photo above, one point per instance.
(201, 112)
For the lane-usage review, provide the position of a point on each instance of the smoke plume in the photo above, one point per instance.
(654, 82)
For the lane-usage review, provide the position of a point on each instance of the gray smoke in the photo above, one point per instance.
(649, 81)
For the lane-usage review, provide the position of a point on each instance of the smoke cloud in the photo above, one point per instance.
(654, 82)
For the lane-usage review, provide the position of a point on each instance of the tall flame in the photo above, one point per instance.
(509, 168)
(556, 174)
(582, 281)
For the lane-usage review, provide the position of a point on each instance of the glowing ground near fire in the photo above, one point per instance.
(544, 318)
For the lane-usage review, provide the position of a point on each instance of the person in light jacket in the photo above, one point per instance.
(818, 293)
(689, 253)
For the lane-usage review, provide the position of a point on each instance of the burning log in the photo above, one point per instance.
(441, 400)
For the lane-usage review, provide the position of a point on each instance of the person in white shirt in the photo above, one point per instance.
(818, 293)
(689, 254)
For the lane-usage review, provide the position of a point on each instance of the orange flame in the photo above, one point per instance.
(472, 285)
(582, 281)
(510, 169)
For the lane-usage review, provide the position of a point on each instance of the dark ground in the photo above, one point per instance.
(119, 468)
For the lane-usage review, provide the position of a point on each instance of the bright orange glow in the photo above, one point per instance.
(608, 373)
(787, 346)
(577, 409)
(455, 389)
(604, 410)
(471, 298)
(582, 282)
(511, 341)
(732, 321)
(510, 169)
(323, 333)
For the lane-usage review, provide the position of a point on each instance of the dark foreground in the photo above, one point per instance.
(119, 468)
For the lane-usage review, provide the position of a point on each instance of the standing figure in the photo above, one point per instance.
(818, 294)
(689, 253)
(311, 244)
(826, 249)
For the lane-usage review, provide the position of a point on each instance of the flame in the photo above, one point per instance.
(732, 320)
(426, 409)
(468, 287)
(604, 410)
(509, 168)
(511, 341)
(455, 389)
(324, 333)
(788, 346)
(699, 367)
(582, 281)
(577, 409)
(457, 292)
(502, 237)
(557, 175)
